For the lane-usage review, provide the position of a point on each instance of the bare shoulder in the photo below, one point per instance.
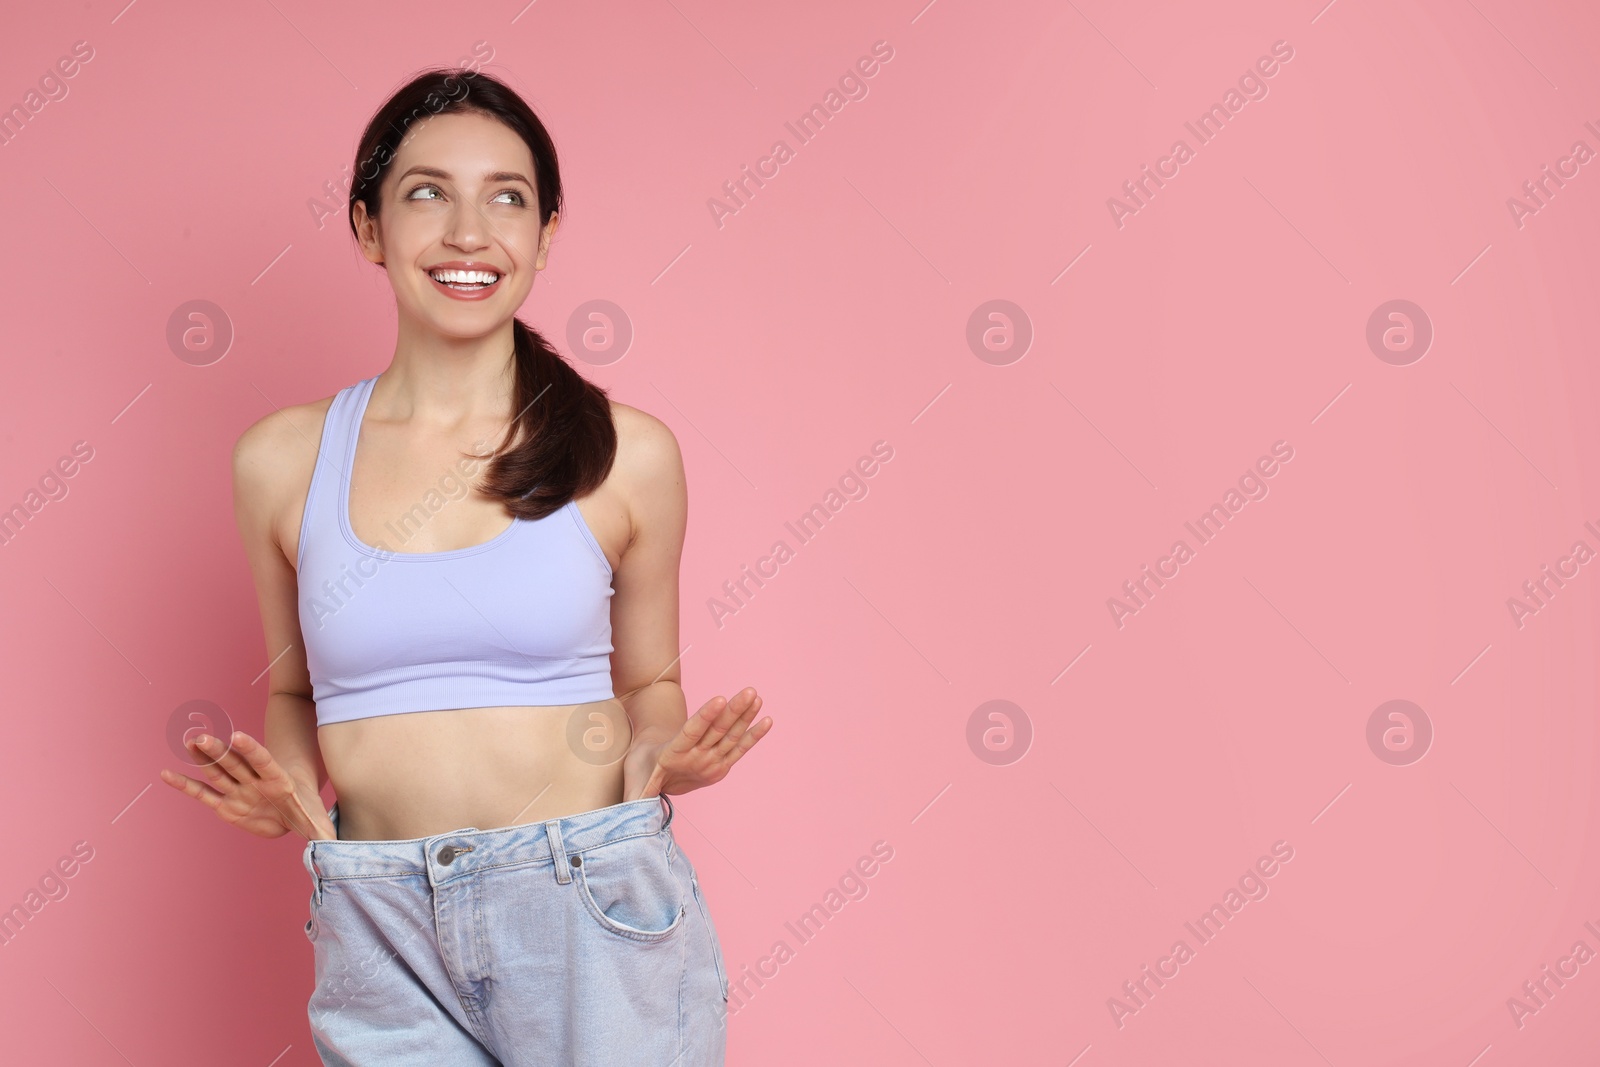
(272, 449)
(649, 478)
(647, 449)
(273, 461)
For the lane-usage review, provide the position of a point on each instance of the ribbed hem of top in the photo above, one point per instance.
(428, 694)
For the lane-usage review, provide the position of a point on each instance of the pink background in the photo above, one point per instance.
(830, 312)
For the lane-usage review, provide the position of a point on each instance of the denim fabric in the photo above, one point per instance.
(581, 941)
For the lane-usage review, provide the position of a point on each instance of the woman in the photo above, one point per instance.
(497, 706)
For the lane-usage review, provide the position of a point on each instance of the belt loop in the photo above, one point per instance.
(669, 811)
(558, 851)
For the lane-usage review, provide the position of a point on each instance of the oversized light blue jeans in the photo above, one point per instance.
(579, 941)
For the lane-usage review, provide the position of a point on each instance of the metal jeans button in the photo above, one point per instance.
(448, 853)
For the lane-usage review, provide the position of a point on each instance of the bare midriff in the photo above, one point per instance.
(429, 772)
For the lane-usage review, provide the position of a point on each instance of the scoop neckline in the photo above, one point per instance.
(345, 527)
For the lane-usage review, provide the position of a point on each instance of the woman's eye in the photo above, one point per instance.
(519, 201)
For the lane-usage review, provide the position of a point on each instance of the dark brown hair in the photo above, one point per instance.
(566, 439)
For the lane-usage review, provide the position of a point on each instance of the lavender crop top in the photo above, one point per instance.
(521, 619)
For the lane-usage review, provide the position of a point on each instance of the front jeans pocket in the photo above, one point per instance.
(629, 888)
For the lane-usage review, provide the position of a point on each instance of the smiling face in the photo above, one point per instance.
(459, 229)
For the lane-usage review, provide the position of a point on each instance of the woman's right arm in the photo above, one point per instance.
(273, 788)
(272, 464)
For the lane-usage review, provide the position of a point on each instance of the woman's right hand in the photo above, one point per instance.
(251, 791)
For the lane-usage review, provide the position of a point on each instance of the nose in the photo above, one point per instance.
(468, 227)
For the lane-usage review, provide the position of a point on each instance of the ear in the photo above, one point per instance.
(367, 233)
(545, 236)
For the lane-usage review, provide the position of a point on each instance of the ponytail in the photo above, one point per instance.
(562, 442)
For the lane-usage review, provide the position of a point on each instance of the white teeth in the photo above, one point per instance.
(465, 277)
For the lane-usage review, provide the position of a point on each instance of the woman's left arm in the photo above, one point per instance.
(669, 751)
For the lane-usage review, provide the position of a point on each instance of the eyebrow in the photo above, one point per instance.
(490, 178)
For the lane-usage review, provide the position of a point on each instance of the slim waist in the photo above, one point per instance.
(449, 855)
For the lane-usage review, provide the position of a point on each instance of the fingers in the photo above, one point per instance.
(704, 728)
(323, 827)
(280, 789)
(188, 786)
(301, 820)
(235, 771)
(226, 756)
(739, 729)
(729, 754)
(254, 752)
(735, 711)
(714, 757)
(270, 775)
(220, 779)
(710, 742)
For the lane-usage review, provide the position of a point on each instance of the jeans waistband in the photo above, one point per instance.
(459, 852)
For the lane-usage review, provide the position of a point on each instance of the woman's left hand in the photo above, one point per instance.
(700, 754)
